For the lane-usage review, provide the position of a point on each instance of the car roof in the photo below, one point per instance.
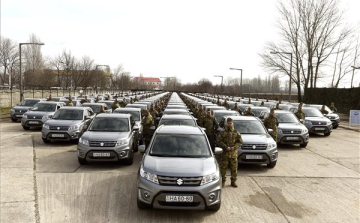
(88, 103)
(165, 116)
(224, 111)
(129, 109)
(243, 118)
(113, 115)
(175, 109)
(179, 130)
(73, 108)
(49, 102)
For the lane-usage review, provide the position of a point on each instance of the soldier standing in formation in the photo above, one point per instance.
(277, 107)
(226, 104)
(131, 101)
(97, 99)
(323, 110)
(115, 104)
(102, 109)
(236, 108)
(249, 112)
(229, 140)
(122, 103)
(332, 107)
(70, 103)
(153, 112)
(84, 100)
(210, 124)
(262, 104)
(300, 114)
(49, 99)
(201, 116)
(147, 122)
(271, 122)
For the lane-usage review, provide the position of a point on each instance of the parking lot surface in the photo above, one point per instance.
(45, 183)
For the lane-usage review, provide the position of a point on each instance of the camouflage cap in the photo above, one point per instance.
(272, 110)
(208, 110)
(229, 120)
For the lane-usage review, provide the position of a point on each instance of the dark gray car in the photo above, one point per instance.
(18, 111)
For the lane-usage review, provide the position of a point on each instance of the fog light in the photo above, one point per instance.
(212, 197)
(122, 153)
(273, 156)
(146, 195)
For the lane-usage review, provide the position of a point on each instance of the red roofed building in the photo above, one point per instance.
(149, 82)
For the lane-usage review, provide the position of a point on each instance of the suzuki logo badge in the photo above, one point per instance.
(58, 128)
(254, 147)
(179, 181)
(34, 117)
(292, 131)
(101, 144)
(319, 123)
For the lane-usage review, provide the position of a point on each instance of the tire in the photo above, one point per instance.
(129, 161)
(303, 145)
(82, 161)
(45, 140)
(327, 134)
(142, 205)
(271, 164)
(215, 207)
(136, 147)
(25, 127)
(335, 127)
(13, 119)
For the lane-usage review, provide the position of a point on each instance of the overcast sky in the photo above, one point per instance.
(189, 39)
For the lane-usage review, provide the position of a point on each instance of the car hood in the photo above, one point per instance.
(321, 119)
(291, 126)
(38, 113)
(22, 108)
(105, 136)
(180, 167)
(53, 122)
(332, 115)
(256, 139)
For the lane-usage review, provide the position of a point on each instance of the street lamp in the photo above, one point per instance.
(97, 76)
(240, 79)
(352, 78)
(221, 81)
(276, 52)
(21, 84)
(171, 78)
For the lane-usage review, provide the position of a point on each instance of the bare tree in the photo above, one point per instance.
(34, 61)
(9, 59)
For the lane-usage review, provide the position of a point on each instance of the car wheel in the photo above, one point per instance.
(327, 134)
(129, 161)
(303, 145)
(45, 140)
(271, 164)
(25, 127)
(14, 119)
(335, 127)
(82, 161)
(136, 146)
(142, 205)
(215, 207)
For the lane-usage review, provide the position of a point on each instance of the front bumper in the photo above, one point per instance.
(67, 135)
(293, 138)
(116, 153)
(319, 128)
(268, 156)
(31, 122)
(157, 195)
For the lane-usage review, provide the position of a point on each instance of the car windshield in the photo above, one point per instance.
(287, 118)
(134, 114)
(257, 111)
(28, 103)
(175, 113)
(180, 146)
(249, 127)
(220, 115)
(95, 108)
(189, 122)
(65, 114)
(312, 113)
(106, 124)
(44, 107)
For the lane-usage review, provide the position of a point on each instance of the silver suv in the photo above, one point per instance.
(334, 118)
(179, 171)
(290, 130)
(67, 124)
(258, 146)
(18, 111)
(40, 113)
(110, 137)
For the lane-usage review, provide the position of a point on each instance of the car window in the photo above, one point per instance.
(188, 122)
(134, 114)
(65, 114)
(249, 127)
(287, 118)
(106, 124)
(44, 107)
(312, 113)
(90, 112)
(95, 108)
(180, 146)
(29, 103)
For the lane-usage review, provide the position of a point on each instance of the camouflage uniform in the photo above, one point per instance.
(229, 138)
(277, 107)
(271, 122)
(97, 99)
(236, 108)
(147, 122)
(101, 110)
(70, 103)
(300, 115)
(210, 124)
(49, 99)
(200, 117)
(262, 104)
(85, 100)
(249, 113)
(153, 112)
(226, 105)
(115, 105)
(332, 107)
(123, 103)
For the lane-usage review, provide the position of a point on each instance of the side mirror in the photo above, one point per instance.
(152, 128)
(142, 148)
(50, 116)
(270, 131)
(218, 150)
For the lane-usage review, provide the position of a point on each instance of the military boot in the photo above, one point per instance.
(233, 184)
(223, 184)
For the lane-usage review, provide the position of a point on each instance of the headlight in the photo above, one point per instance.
(84, 142)
(210, 178)
(24, 116)
(45, 126)
(304, 131)
(122, 142)
(308, 122)
(328, 122)
(271, 145)
(74, 127)
(13, 109)
(149, 176)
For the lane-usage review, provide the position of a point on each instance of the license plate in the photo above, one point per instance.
(171, 198)
(254, 157)
(58, 135)
(319, 128)
(101, 154)
(18, 115)
(33, 122)
(292, 138)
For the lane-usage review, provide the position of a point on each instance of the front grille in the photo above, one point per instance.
(318, 123)
(243, 158)
(179, 181)
(59, 127)
(102, 144)
(20, 111)
(254, 146)
(180, 204)
(34, 117)
(112, 155)
(34, 124)
(291, 131)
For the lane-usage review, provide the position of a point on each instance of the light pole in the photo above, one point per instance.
(21, 78)
(352, 78)
(240, 79)
(98, 77)
(275, 52)
(221, 81)
(171, 78)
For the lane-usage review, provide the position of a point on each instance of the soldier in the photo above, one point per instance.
(236, 108)
(49, 99)
(210, 124)
(107, 98)
(84, 100)
(153, 112)
(147, 122)
(249, 112)
(262, 104)
(123, 103)
(97, 99)
(323, 110)
(115, 105)
(229, 140)
(131, 101)
(70, 103)
(271, 122)
(226, 104)
(300, 114)
(277, 107)
(201, 116)
(249, 101)
(332, 107)
(136, 99)
(102, 109)
(218, 101)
